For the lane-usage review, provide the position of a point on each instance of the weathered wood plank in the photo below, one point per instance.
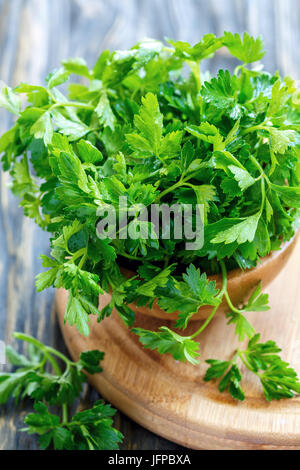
(34, 37)
(21, 242)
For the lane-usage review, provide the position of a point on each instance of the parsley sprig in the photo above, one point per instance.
(91, 429)
(277, 378)
(138, 126)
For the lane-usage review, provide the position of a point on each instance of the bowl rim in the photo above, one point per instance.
(237, 272)
(240, 283)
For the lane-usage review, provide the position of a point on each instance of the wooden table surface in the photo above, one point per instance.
(34, 36)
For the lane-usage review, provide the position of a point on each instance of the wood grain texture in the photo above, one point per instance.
(35, 35)
(171, 399)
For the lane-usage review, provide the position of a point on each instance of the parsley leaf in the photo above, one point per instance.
(165, 340)
(10, 100)
(258, 302)
(231, 380)
(246, 49)
(243, 327)
(221, 92)
(241, 232)
(203, 49)
(149, 124)
(188, 295)
(278, 379)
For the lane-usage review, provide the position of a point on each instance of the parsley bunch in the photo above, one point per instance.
(148, 124)
(91, 429)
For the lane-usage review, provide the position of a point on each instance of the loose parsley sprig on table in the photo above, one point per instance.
(140, 127)
(277, 378)
(91, 429)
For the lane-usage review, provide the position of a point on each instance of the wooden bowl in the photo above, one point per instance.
(170, 398)
(240, 284)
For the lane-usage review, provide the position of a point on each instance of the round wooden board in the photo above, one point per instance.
(170, 398)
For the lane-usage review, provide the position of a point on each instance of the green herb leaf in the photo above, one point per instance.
(240, 232)
(77, 66)
(149, 124)
(230, 380)
(90, 361)
(246, 49)
(58, 77)
(167, 341)
(105, 113)
(203, 49)
(10, 101)
(243, 327)
(43, 129)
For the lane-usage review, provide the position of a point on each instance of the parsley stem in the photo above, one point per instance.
(263, 194)
(41, 346)
(235, 356)
(220, 298)
(53, 362)
(80, 253)
(258, 166)
(238, 68)
(230, 304)
(51, 95)
(73, 105)
(228, 300)
(47, 350)
(168, 49)
(259, 127)
(241, 356)
(224, 277)
(83, 259)
(195, 68)
(59, 354)
(65, 413)
(41, 365)
(182, 182)
(206, 323)
(134, 258)
(168, 190)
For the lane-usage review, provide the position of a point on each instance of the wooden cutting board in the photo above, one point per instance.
(171, 399)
